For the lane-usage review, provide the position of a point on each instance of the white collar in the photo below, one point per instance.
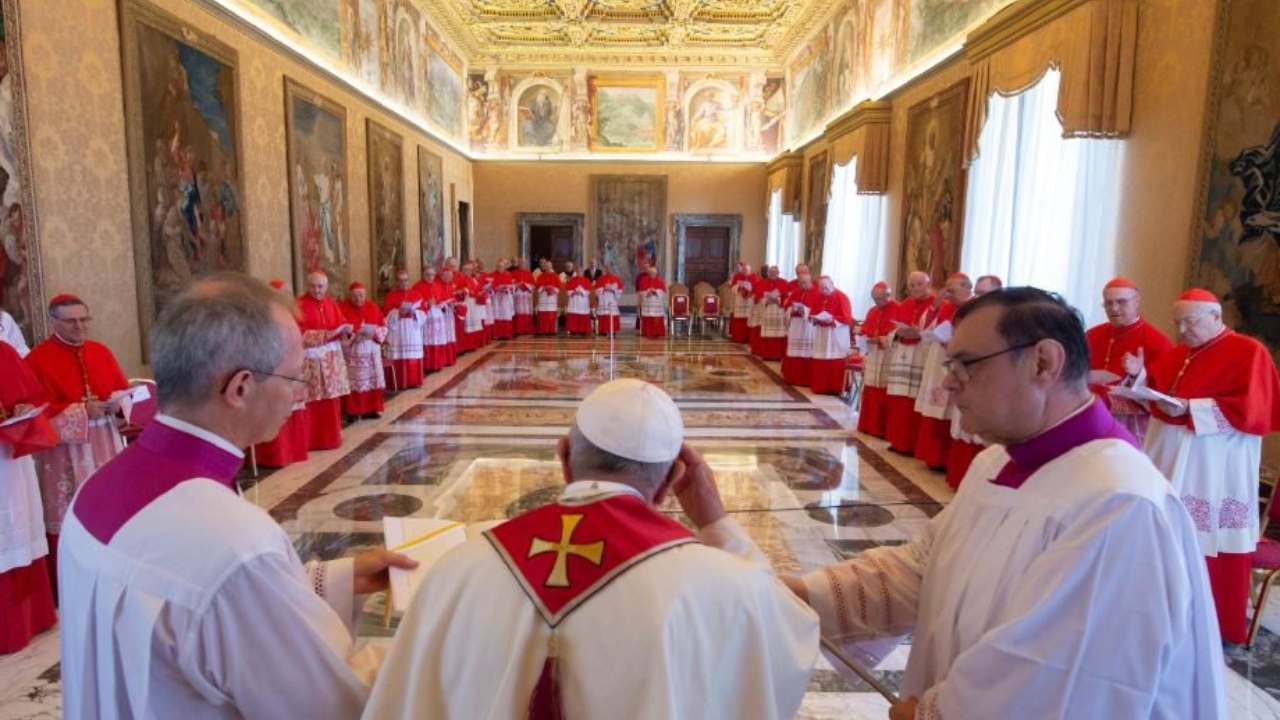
(195, 430)
(580, 489)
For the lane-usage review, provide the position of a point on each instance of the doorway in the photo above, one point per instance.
(464, 230)
(706, 255)
(553, 242)
(706, 247)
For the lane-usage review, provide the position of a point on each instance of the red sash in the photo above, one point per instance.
(564, 553)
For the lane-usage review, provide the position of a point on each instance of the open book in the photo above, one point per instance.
(423, 539)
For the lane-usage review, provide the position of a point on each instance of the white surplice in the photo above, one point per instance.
(198, 608)
(405, 333)
(1080, 594)
(22, 539)
(12, 334)
(698, 631)
(934, 401)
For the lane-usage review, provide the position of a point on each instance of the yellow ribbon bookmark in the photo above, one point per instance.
(386, 613)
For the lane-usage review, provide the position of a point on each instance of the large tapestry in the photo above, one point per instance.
(386, 206)
(431, 208)
(182, 121)
(630, 230)
(21, 288)
(815, 213)
(933, 185)
(1238, 223)
(627, 113)
(316, 130)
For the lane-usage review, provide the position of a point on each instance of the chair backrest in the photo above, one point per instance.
(678, 289)
(680, 306)
(711, 306)
(1270, 510)
(726, 294)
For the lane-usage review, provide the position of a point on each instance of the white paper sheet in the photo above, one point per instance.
(1144, 394)
(423, 539)
(22, 417)
(1102, 377)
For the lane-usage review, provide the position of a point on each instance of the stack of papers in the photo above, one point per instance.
(1143, 394)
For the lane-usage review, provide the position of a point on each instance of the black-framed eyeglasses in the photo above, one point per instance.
(234, 373)
(959, 369)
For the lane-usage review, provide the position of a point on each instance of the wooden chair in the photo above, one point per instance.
(853, 379)
(388, 365)
(726, 303)
(1265, 558)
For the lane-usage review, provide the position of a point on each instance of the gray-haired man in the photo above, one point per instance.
(180, 599)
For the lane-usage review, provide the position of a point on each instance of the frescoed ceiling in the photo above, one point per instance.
(616, 32)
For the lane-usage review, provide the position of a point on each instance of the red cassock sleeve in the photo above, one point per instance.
(1237, 372)
(871, 323)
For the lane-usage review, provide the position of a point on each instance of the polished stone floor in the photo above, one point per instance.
(476, 443)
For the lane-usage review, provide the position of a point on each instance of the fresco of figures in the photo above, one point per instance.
(316, 130)
(21, 294)
(184, 151)
(867, 46)
(1238, 226)
(934, 184)
(386, 206)
(431, 208)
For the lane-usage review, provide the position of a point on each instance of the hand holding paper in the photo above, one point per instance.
(424, 540)
(1102, 377)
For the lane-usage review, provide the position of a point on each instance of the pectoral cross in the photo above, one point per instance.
(591, 552)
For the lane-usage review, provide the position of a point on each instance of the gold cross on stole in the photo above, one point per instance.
(592, 552)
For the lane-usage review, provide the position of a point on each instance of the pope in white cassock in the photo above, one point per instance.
(1065, 579)
(597, 605)
(180, 599)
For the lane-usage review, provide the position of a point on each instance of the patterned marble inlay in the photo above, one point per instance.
(426, 416)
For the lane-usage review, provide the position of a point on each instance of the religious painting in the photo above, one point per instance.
(847, 64)
(360, 27)
(487, 101)
(21, 286)
(885, 36)
(316, 144)
(431, 208)
(772, 112)
(630, 226)
(444, 84)
(627, 113)
(809, 86)
(183, 128)
(934, 185)
(399, 58)
(538, 117)
(386, 206)
(936, 23)
(1236, 241)
(713, 118)
(815, 214)
(313, 20)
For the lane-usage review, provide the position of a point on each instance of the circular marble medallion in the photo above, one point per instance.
(376, 507)
(850, 515)
(728, 373)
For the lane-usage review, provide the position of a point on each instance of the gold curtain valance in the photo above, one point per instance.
(785, 174)
(1092, 42)
(864, 132)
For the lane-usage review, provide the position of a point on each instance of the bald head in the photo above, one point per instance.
(918, 285)
(317, 285)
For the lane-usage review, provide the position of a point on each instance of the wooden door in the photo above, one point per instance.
(554, 242)
(706, 255)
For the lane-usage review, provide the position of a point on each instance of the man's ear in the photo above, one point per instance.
(562, 452)
(235, 393)
(1051, 359)
(671, 481)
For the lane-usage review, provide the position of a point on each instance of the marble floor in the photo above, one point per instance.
(476, 443)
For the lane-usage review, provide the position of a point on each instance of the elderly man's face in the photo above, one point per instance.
(826, 286)
(880, 296)
(402, 281)
(1196, 324)
(446, 275)
(651, 270)
(959, 290)
(918, 286)
(358, 296)
(995, 396)
(428, 273)
(1121, 306)
(773, 273)
(72, 323)
(802, 269)
(805, 280)
(317, 285)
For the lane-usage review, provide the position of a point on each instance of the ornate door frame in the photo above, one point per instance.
(526, 221)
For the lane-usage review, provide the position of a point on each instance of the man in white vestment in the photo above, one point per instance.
(180, 599)
(404, 308)
(599, 606)
(1065, 579)
(12, 334)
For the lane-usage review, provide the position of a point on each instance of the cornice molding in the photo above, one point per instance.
(1013, 22)
(867, 112)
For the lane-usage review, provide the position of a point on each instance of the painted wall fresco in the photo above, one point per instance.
(21, 287)
(1238, 231)
(627, 114)
(183, 125)
(386, 206)
(868, 46)
(317, 151)
(388, 47)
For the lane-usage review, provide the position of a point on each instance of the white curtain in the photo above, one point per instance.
(782, 247)
(854, 254)
(1041, 209)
